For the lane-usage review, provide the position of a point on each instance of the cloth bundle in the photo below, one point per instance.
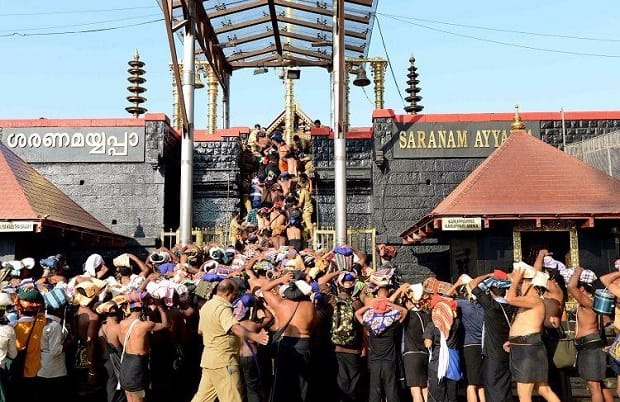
(377, 322)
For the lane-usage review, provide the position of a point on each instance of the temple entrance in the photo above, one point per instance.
(557, 242)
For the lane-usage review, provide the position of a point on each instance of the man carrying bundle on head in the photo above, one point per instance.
(134, 333)
(346, 332)
(490, 292)
(296, 316)
(383, 320)
(591, 358)
(528, 356)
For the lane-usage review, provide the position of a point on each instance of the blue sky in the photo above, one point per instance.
(84, 75)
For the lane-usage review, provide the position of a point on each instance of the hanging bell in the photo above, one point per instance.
(361, 80)
(197, 81)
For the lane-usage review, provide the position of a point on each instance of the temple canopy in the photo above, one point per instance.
(234, 34)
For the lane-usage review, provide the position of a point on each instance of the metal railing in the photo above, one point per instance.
(364, 240)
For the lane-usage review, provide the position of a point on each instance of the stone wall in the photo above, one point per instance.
(216, 181)
(576, 130)
(129, 198)
(359, 181)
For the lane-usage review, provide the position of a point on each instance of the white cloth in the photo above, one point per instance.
(7, 344)
(444, 357)
(117, 288)
(52, 356)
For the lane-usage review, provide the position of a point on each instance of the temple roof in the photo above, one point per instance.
(28, 196)
(525, 178)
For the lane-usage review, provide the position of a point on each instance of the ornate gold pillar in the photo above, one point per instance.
(289, 109)
(177, 123)
(212, 90)
(378, 74)
(347, 90)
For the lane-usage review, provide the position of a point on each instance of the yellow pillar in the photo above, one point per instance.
(378, 73)
(212, 89)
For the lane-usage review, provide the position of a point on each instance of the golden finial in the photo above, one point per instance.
(517, 123)
(136, 55)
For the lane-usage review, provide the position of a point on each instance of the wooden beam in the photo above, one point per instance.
(311, 53)
(244, 24)
(367, 3)
(320, 27)
(274, 26)
(245, 55)
(237, 9)
(287, 60)
(362, 19)
(207, 39)
(311, 39)
(246, 39)
(167, 8)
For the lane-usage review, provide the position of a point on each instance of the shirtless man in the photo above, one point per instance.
(528, 357)
(612, 283)
(554, 298)
(249, 361)
(134, 334)
(292, 365)
(591, 358)
(110, 342)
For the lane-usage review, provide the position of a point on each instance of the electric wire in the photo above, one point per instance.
(19, 34)
(550, 35)
(74, 11)
(387, 56)
(367, 97)
(497, 42)
(79, 25)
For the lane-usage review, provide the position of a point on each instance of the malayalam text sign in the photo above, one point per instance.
(458, 223)
(17, 226)
(76, 144)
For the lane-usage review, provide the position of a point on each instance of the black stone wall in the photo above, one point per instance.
(576, 130)
(359, 181)
(216, 181)
(129, 198)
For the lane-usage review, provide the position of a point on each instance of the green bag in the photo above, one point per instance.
(565, 355)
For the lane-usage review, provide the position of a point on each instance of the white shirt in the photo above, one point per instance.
(52, 356)
(8, 349)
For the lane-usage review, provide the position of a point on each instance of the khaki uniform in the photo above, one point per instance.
(220, 357)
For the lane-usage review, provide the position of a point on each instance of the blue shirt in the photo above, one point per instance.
(472, 318)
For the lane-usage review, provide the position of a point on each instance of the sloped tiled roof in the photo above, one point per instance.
(27, 195)
(525, 177)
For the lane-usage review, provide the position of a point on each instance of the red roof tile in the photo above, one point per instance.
(27, 195)
(527, 177)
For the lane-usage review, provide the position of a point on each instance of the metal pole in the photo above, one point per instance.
(563, 130)
(187, 142)
(340, 150)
